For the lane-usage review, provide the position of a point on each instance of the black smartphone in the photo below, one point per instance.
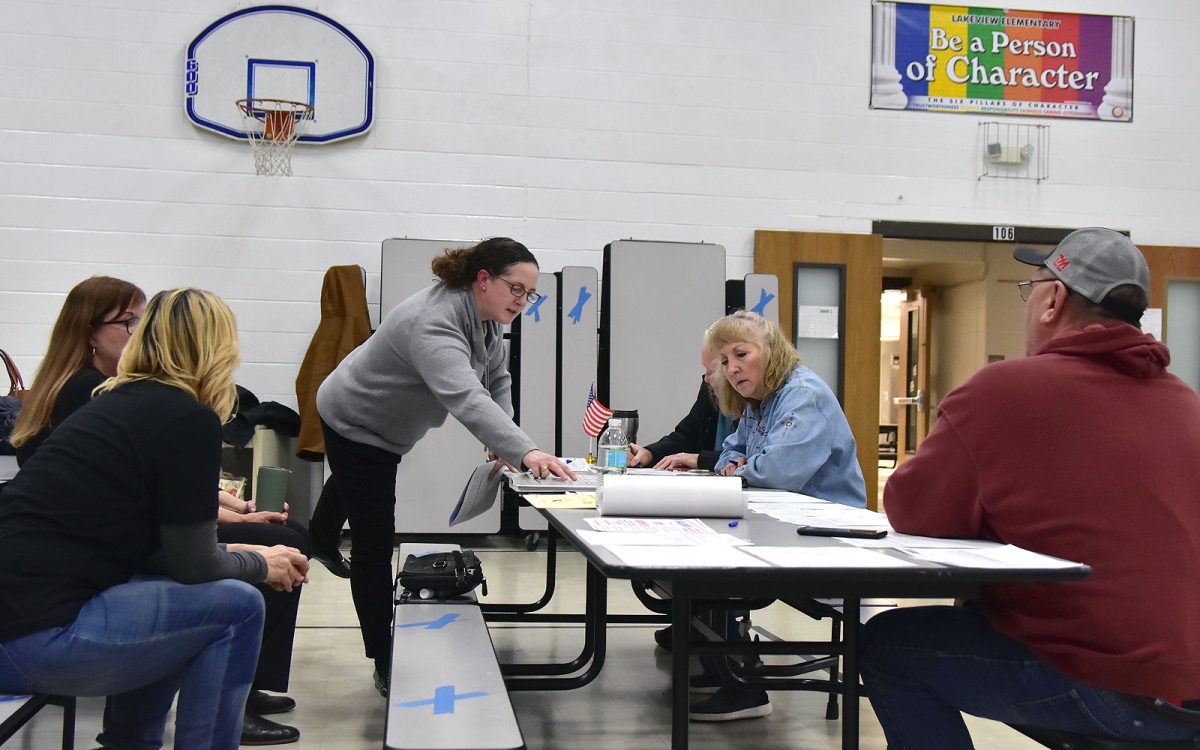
(834, 531)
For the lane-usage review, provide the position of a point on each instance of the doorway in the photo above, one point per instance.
(961, 309)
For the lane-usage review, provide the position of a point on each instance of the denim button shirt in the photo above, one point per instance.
(798, 440)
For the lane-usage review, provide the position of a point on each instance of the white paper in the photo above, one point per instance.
(839, 556)
(659, 538)
(681, 495)
(824, 514)
(478, 494)
(816, 322)
(687, 557)
(1002, 557)
(651, 525)
(773, 497)
(585, 480)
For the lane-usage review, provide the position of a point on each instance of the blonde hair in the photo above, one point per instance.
(85, 307)
(779, 356)
(187, 339)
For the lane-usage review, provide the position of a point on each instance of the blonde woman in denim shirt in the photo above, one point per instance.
(793, 434)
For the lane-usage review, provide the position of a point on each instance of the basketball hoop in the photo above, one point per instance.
(272, 127)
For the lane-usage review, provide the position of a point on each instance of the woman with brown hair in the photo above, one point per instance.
(93, 326)
(111, 580)
(439, 352)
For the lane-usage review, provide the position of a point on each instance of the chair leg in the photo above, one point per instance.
(68, 731)
(831, 706)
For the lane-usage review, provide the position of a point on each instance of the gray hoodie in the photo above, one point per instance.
(431, 356)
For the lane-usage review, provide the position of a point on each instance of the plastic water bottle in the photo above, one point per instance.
(614, 449)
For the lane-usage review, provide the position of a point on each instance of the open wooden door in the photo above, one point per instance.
(914, 364)
(860, 256)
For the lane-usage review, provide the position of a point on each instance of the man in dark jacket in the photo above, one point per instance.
(696, 441)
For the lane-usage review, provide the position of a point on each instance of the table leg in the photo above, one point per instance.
(850, 624)
(681, 621)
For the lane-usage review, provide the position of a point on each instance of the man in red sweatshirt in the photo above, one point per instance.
(1087, 449)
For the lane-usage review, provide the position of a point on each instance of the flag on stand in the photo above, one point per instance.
(596, 415)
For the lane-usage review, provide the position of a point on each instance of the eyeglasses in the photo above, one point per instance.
(129, 323)
(518, 290)
(1024, 287)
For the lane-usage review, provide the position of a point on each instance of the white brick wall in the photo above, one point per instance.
(563, 123)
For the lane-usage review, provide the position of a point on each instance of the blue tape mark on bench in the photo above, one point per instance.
(443, 700)
(437, 624)
(764, 299)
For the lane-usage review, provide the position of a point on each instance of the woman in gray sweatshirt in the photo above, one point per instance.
(438, 353)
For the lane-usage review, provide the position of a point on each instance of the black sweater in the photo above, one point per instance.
(695, 433)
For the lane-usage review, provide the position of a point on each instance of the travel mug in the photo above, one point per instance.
(270, 488)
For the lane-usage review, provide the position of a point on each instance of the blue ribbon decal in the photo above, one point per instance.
(763, 300)
(437, 624)
(577, 311)
(442, 701)
(533, 309)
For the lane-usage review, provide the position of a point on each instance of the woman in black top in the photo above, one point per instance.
(111, 580)
(93, 326)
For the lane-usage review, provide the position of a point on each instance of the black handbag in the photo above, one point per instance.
(440, 575)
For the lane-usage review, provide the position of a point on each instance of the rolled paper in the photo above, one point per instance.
(680, 496)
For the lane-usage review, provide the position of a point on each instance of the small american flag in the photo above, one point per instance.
(596, 415)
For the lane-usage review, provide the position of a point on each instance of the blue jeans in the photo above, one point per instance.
(922, 666)
(141, 642)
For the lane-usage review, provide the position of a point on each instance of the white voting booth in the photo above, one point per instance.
(578, 322)
(554, 364)
(658, 299)
(534, 367)
(762, 295)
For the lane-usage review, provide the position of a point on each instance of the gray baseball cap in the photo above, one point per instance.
(1092, 262)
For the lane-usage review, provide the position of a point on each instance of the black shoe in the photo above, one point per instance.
(381, 683)
(259, 731)
(333, 560)
(705, 682)
(731, 703)
(261, 703)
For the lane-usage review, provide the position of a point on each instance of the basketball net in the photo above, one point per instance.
(272, 127)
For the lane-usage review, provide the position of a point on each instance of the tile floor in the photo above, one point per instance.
(626, 707)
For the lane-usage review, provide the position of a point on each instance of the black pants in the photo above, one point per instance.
(328, 518)
(365, 478)
(279, 625)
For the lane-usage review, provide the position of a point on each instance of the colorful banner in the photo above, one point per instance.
(950, 58)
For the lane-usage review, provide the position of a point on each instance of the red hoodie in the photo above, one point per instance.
(1088, 450)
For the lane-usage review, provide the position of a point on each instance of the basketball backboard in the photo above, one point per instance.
(280, 52)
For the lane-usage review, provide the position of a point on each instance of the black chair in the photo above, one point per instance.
(29, 709)
(1058, 740)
